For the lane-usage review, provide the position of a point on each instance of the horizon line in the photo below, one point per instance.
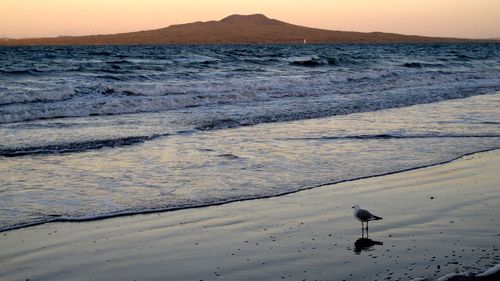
(7, 38)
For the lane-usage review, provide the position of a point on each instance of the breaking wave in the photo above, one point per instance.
(76, 146)
(126, 98)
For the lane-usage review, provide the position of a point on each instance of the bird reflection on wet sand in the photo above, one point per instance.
(365, 244)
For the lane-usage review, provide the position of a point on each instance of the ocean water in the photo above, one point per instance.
(91, 132)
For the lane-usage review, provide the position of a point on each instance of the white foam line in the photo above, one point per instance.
(491, 271)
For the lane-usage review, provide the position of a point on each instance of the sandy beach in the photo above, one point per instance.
(437, 221)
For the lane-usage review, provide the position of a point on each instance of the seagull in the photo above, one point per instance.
(364, 216)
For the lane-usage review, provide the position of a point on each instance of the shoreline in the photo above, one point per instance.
(437, 220)
(175, 209)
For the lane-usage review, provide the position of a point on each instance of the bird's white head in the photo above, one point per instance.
(355, 207)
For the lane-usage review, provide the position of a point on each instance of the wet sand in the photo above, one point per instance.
(437, 220)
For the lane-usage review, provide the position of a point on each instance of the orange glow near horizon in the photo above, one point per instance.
(449, 18)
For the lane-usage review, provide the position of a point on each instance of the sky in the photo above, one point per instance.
(450, 18)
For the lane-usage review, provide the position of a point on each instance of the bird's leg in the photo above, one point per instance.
(366, 226)
(362, 227)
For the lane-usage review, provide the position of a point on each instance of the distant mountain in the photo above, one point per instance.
(235, 29)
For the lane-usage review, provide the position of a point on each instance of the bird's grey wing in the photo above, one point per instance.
(364, 215)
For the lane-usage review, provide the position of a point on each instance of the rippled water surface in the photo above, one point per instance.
(88, 132)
